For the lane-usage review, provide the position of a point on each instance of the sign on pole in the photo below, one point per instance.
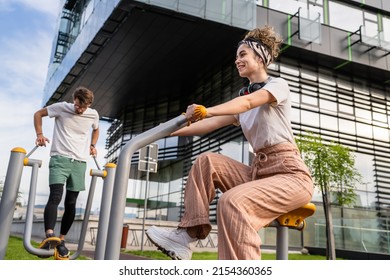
(148, 158)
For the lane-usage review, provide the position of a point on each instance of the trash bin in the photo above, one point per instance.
(125, 233)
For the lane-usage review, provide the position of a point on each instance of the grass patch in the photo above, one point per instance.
(157, 255)
(16, 251)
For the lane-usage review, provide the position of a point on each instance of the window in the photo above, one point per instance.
(310, 118)
(356, 19)
(364, 164)
(343, 108)
(337, 14)
(381, 133)
(380, 117)
(287, 6)
(309, 75)
(295, 115)
(364, 130)
(370, 22)
(347, 126)
(386, 29)
(292, 6)
(328, 122)
(317, 7)
(328, 105)
(88, 10)
(309, 100)
(363, 114)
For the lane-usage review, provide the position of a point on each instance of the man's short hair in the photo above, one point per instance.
(84, 95)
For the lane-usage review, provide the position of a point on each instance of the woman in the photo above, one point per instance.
(277, 181)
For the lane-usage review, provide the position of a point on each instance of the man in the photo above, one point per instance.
(69, 152)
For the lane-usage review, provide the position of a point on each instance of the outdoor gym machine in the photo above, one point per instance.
(118, 204)
(8, 202)
(9, 196)
(30, 208)
(294, 219)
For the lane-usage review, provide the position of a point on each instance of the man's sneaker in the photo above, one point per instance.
(61, 252)
(174, 243)
(50, 242)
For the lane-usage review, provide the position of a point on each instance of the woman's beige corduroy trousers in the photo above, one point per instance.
(253, 196)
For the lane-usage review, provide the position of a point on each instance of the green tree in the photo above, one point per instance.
(333, 170)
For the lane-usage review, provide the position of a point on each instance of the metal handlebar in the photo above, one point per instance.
(33, 150)
(97, 165)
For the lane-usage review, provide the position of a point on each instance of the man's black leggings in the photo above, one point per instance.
(50, 213)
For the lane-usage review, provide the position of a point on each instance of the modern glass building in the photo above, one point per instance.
(147, 60)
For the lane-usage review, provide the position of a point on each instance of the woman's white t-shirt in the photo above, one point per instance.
(269, 124)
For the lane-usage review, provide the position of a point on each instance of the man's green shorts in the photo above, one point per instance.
(66, 170)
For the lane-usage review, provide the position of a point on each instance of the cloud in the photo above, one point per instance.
(25, 60)
(25, 47)
(47, 7)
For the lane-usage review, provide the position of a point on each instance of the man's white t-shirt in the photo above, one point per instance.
(71, 137)
(269, 124)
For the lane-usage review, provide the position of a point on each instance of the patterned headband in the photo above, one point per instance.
(259, 49)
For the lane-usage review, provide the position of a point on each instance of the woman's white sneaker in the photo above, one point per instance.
(174, 243)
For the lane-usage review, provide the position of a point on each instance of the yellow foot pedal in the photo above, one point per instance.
(48, 244)
(57, 256)
(61, 252)
(296, 218)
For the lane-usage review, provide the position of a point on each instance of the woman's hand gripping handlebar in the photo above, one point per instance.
(195, 113)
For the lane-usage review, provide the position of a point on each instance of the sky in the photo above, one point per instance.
(27, 29)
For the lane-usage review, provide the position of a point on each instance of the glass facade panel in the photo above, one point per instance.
(233, 150)
(294, 98)
(328, 105)
(381, 134)
(316, 7)
(371, 28)
(326, 80)
(295, 115)
(287, 6)
(386, 29)
(309, 75)
(379, 117)
(169, 4)
(193, 7)
(364, 164)
(346, 109)
(309, 100)
(337, 14)
(364, 130)
(328, 122)
(176, 184)
(346, 126)
(310, 118)
(362, 114)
